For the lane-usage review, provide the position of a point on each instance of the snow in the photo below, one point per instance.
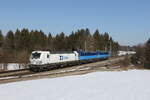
(12, 66)
(121, 85)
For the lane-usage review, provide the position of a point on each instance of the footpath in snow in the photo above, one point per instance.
(123, 85)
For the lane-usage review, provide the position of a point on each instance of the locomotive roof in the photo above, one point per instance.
(56, 52)
(61, 52)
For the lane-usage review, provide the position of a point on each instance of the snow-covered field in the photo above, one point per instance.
(125, 85)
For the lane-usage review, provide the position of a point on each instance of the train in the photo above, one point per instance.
(46, 60)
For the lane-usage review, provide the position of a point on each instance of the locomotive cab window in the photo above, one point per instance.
(35, 55)
(47, 56)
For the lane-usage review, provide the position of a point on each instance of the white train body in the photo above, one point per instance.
(46, 57)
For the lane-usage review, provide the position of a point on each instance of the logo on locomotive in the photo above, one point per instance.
(63, 57)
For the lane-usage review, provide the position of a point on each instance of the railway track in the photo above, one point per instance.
(14, 73)
(25, 74)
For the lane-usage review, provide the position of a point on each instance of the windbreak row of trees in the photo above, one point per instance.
(17, 46)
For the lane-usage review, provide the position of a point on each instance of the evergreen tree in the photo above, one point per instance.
(50, 42)
(147, 55)
(97, 42)
(1, 38)
(9, 42)
(60, 43)
(106, 41)
(25, 39)
(18, 40)
(38, 40)
(88, 40)
(72, 42)
(81, 39)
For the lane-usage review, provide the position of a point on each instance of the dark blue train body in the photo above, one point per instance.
(93, 55)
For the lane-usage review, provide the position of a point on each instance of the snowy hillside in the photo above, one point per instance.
(126, 85)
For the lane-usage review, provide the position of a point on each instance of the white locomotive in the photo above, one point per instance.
(46, 57)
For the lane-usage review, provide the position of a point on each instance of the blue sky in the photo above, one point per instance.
(127, 21)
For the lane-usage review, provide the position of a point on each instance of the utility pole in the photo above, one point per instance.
(85, 45)
(110, 51)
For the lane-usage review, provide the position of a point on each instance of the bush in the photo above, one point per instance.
(126, 61)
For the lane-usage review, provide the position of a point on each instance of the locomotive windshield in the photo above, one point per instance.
(35, 55)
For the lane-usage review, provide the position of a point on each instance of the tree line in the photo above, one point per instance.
(17, 46)
(142, 56)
